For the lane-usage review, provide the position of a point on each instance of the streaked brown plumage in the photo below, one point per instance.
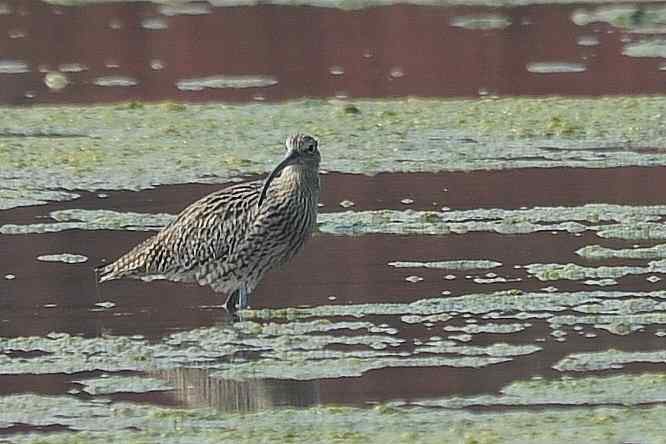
(232, 237)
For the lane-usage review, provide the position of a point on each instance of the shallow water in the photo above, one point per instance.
(145, 51)
(340, 271)
(495, 263)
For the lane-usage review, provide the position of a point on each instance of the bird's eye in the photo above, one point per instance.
(311, 145)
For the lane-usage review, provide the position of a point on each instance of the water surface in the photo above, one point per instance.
(144, 51)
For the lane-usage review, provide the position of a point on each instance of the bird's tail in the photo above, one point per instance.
(131, 264)
(105, 273)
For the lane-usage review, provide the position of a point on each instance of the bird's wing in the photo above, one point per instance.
(250, 254)
(205, 231)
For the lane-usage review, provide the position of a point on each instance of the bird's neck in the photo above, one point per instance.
(298, 178)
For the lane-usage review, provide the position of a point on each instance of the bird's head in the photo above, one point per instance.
(303, 151)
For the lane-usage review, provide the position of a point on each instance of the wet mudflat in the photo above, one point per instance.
(52, 53)
(447, 313)
(482, 266)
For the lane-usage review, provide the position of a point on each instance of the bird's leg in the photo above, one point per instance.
(231, 302)
(243, 298)
(239, 299)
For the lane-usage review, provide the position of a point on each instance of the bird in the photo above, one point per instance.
(230, 238)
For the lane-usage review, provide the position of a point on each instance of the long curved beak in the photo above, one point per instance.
(291, 158)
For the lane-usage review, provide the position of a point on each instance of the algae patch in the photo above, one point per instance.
(301, 348)
(449, 265)
(67, 258)
(14, 197)
(646, 48)
(348, 367)
(555, 67)
(554, 272)
(236, 82)
(122, 384)
(488, 328)
(644, 19)
(481, 21)
(115, 81)
(126, 422)
(599, 252)
(8, 66)
(607, 359)
(93, 220)
(292, 350)
(219, 142)
(622, 221)
(629, 390)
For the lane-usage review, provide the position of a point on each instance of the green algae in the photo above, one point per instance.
(600, 252)
(115, 81)
(43, 228)
(606, 220)
(67, 258)
(294, 350)
(13, 67)
(629, 390)
(646, 48)
(173, 8)
(607, 359)
(122, 384)
(93, 220)
(216, 82)
(644, 19)
(301, 349)
(637, 231)
(506, 304)
(619, 324)
(113, 219)
(135, 423)
(555, 67)
(498, 350)
(417, 319)
(488, 328)
(347, 367)
(573, 272)
(21, 197)
(605, 282)
(463, 264)
(588, 40)
(218, 142)
(494, 280)
(481, 21)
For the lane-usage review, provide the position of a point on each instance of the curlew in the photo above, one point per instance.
(230, 238)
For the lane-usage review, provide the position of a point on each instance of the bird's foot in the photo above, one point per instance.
(231, 303)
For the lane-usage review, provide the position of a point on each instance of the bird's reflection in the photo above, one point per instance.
(197, 388)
